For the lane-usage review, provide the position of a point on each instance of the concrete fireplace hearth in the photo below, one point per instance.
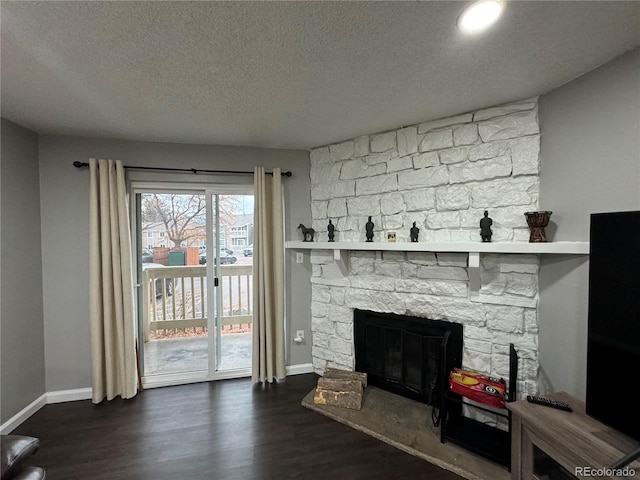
(406, 424)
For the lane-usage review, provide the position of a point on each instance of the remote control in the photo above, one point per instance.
(547, 402)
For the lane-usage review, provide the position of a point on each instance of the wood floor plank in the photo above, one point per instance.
(226, 430)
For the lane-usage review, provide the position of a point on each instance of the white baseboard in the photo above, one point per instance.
(300, 368)
(15, 421)
(61, 396)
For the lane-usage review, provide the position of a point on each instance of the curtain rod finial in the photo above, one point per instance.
(286, 174)
(78, 164)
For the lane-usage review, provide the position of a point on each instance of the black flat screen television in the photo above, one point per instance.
(613, 348)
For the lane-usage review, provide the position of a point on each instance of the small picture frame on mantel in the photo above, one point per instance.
(391, 237)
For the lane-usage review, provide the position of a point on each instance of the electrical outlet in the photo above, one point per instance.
(299, 257)
(299, 338)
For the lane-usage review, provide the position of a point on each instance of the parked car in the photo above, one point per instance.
(203, 251)
(224, 257)
(168, 281)
(248, 252)
(147, 255)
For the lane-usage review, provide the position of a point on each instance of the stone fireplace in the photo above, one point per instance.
(442, 175)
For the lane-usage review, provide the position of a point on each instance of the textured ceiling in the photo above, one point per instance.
(286, 74)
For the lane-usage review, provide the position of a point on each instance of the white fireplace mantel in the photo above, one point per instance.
(474, 249)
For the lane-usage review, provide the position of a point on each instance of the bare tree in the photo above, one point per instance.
(183, 216)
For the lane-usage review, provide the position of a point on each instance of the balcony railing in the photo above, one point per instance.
(175, 298)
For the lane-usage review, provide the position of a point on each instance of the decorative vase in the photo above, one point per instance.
(537, 221)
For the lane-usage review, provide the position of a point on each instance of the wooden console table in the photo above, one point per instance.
(572, 440)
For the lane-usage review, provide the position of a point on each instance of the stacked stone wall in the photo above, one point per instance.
(442, 175)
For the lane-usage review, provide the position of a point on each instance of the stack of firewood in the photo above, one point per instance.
(340, 388)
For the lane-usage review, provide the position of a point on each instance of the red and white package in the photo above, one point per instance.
(477, 387)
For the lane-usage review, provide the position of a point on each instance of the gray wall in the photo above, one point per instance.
(22, 372)
(590, 162)
(65, 232)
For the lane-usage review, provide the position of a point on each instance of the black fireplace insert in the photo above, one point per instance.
(406, 355)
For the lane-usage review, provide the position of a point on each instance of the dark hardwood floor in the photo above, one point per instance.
(229, 429)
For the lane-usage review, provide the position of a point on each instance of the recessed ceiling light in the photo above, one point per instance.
(480, 16)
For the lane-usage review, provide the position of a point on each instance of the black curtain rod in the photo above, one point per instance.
(190, 170)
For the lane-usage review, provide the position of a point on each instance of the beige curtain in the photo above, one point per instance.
(111, 306)
(268, 278)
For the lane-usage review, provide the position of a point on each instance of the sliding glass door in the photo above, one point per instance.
(233, 246)
(195, 279)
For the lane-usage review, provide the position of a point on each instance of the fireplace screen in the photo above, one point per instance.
(410, 356)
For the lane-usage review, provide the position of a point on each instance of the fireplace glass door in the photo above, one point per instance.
(406, 355)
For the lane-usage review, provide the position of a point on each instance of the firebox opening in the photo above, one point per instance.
(409, 356)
